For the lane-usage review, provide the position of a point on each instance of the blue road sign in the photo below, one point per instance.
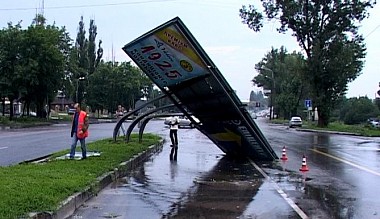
(307, 103)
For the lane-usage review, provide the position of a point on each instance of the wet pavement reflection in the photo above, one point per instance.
(203, 183)
(343, 177)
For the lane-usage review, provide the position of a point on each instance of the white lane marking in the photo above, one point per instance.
(347, 162)
(3, 148)
(281, 192)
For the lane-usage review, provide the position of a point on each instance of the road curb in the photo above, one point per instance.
(49, 123)
(72, 203)
(329, 132)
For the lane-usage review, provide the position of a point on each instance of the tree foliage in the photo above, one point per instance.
(86, 57)
(115, 84)
(10, 57)
(377, 103)
(31, 63)
(283, 74)
(327, 31)
(43, 64)
(40, 61)
(257, 97)
(358, 110)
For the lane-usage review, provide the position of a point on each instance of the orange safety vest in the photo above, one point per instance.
(81, 125)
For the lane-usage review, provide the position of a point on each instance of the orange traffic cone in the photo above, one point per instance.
(304, 165)
(284, 157)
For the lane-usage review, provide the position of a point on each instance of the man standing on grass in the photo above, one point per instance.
(79, 131)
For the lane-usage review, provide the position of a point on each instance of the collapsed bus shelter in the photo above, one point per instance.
(171, 57)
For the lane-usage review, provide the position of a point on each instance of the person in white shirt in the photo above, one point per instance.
(119, 114)
(174, 122)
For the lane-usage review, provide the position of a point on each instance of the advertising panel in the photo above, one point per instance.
(166, 56)
(171, 57)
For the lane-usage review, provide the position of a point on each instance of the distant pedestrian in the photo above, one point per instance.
(79, 131)
(174, 123)
(119, 115)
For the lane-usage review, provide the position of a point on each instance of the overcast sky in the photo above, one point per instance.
(215, 24)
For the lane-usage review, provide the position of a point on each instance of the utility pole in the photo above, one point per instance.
(79, 79)
(271, 109)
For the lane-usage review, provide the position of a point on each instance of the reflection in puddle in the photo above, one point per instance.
(336, 205)
(316, 200)
(224, 192)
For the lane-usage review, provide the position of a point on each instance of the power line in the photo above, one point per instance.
(211, 3)
(372, 31)
(86, 6)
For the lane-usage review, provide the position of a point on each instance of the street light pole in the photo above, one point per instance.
(271, 110)
(79, 79)
(62, 96)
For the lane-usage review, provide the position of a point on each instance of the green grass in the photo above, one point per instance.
(26, 188)
(279, 121)
(363, 130)
(22, 121)
(60, 116)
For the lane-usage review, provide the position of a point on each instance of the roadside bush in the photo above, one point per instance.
(358, 110)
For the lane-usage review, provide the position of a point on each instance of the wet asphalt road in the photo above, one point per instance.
(343, 180)
(18, 145)
(344, 176)
(202, 183)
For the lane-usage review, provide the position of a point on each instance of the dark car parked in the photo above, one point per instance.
(71, 111)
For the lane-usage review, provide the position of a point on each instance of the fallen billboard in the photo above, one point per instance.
(171, 57)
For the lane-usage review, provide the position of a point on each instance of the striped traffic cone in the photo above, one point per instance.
(284, 157)
(304, 165)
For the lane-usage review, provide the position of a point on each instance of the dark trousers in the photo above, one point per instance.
(173, 137)
(174, 140)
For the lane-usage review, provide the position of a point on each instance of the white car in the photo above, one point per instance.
(253, 115)
(295, 121)
(375, 124)
(183, 122)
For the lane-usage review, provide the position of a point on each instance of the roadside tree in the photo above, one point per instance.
(377, 102)
(283, 74)
(32, 63)
(44, 48)
(10, 58)
(327, 32)
(86, 58)
(115, 84)
(358, 110)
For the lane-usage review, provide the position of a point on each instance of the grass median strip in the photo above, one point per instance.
(30, 187)
(359, 129)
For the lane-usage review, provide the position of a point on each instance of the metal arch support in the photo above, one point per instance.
(142, 126)
(139, 118)
(126, 116)
(148, 118)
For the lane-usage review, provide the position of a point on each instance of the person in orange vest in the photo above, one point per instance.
(79, 131)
